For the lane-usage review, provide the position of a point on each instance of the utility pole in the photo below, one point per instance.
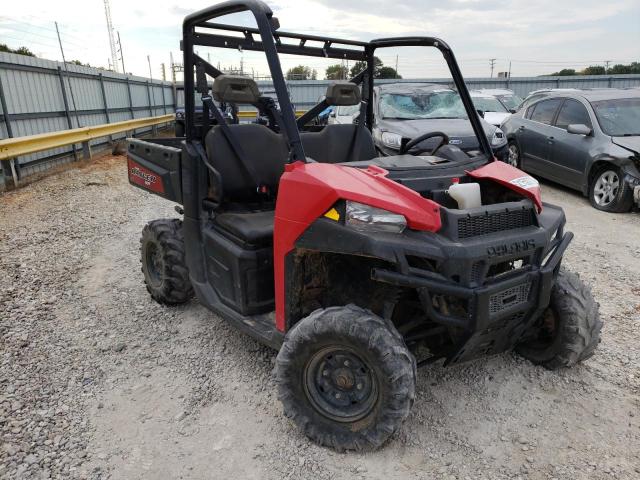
(164, 75)
(112, 42)
(151, 79)
(492, 62)
(66, 69)
(173, 69)
(121, 54)
(396, 65)
(606, 67)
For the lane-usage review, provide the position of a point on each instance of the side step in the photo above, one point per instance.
(260, 327)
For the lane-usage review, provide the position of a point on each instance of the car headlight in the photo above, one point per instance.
(498, 138)
(392, 140)
(367, 219)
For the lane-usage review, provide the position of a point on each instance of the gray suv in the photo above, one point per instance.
(588, 140)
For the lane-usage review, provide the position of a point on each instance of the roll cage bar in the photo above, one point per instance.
(270, 41)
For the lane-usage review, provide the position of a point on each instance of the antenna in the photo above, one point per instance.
(112, 41)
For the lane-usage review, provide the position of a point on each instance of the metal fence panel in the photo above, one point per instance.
(35, 101)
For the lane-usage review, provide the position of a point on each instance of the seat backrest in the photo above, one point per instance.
(334, 144)
(266, 150)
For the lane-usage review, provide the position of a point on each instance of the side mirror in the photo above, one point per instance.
(356, 119)
(481, 113)
(579, 129)
(512, 110)
(333, 114)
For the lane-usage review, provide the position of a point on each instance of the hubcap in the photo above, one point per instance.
(513, 155)
(154, 264)
(340, 385)
(606, 188)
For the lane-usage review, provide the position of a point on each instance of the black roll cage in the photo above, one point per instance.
(271, 42)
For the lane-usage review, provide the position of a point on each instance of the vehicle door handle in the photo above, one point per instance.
(550, 140)
(521, 127)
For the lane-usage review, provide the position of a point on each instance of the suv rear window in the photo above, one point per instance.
(544, 111)
(573, 112)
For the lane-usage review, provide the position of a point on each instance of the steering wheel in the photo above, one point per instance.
(415, 141)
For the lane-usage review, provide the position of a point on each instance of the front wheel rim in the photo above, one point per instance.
(606, 188)
(513, 155)
(340, 385)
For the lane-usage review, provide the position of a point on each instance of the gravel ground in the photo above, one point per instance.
(98, 381)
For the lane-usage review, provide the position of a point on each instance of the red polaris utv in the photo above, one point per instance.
(357, 268)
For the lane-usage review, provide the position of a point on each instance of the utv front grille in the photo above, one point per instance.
(492, 222)
(509, 298)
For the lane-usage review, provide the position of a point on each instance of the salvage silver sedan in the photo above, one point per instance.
(588, 140)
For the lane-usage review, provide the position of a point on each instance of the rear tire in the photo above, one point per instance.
(513, 155)
(569, 330)
(346, 378)
(163, 262)
(609, 192)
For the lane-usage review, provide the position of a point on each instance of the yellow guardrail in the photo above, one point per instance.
(14, 147)
(245, 114)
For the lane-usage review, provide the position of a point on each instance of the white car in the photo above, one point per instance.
(496, 104)
(344, 115)
(506, 97)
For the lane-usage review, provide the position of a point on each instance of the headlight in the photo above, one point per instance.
(180, 115)
(391, 140)
(498, 138)
(370, 219)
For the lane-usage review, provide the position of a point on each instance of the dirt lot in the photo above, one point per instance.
(98, 381)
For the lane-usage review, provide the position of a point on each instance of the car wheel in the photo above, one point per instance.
(609, 192)
(513, 158)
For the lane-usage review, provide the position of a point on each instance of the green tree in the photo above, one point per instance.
(387, 72)
(301, 72)
(361, 65)
(565, 72)
(594, 70)
(19, 51)
(336, 72)
(24, 51)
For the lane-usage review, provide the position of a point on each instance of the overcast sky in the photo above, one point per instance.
(537, 37)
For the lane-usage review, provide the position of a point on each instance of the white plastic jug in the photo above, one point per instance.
(466, 194)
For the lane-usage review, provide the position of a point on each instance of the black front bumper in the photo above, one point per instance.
(498, 314)
(471, 261)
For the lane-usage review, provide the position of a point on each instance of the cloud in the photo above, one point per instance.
(535, 36)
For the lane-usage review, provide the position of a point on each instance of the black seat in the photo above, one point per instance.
(335, 144)
(252, 228)
(266, 150)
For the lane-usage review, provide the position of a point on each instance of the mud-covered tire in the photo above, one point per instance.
(385, 359)
(163, 262)
(576, 322)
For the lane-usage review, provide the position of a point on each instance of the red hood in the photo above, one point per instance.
(512, 178)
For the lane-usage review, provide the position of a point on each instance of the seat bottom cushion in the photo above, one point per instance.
(255, 228)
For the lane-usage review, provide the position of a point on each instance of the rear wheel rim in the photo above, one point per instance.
(606, 188)
(154, 264)
(340, 385)
(513, 156)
